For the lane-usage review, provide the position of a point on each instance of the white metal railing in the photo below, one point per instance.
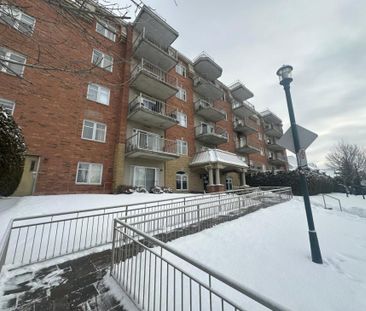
(273, 127)
(39, 238)
(245, 122)
(331, 197)
(168, 51)
(155, 72)
(158, 277)
(244, 103)
(153, 105)
(243, 142)
(151, 142)
(204, 104)
(210, 130)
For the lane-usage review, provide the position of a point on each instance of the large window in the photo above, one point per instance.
(181, 181)
(182, 147)
(102, 60)
(181, 94)
(181, 69)
(12, 63)
(17, 19)
(229, 183)
(146, 177)
(89, 173)
(94, 131)
(106, 30)
(182, 119)
(98, 93)
(7, 105)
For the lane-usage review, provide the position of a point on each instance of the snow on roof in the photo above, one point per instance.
(217, 156)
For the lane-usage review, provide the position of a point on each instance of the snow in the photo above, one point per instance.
(268, 251)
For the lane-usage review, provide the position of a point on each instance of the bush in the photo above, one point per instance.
(12, 151)
(317, 182)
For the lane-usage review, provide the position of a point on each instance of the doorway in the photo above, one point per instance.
(28, 181)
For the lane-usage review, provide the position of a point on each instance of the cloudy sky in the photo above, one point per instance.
(324, 40)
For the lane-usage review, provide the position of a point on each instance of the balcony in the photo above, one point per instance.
(207, 89)
(277, 159)
(206, 67)
(211, 135)
(245, 126)
(273, 145)
(269, 117)
(152, 112)
(146, 48)
(240, 92)
(243, 146)
(273, 130)
(209, 111)
(243, 109)
(151, 146)
(156, 28)
(154, 81)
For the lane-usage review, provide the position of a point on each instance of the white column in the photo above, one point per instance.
(210, 176)
(243, 181)
(218, 182)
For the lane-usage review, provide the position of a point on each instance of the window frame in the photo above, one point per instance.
(99, 87)
(16, 16)
(6, 58)
(101, 63)
(181, 176)
(88, 177)
(179, 114)
(181, 94)
(183, 71)
(180, 144)
(107, 28)
(95, 124)
(7, 101)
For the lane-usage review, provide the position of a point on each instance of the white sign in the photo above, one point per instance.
(306, 138)
(301, 158)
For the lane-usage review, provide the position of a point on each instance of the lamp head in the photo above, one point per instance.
(285, 74)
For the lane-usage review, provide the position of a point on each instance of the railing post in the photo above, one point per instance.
(113, 245)
(325, 204)
(198, 217)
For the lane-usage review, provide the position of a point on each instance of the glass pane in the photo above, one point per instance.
(88, 130)
(100, 132)
(97, 58)
(139, 177)
(178, 183)
(100, 28)
(92, 92)
(108, 62)
(82, 174)
(104, 95)
(150, 178)
(95, 173)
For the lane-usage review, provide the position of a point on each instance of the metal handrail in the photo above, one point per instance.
(69, 232)
(237, 104)
(334, 198)
(154, 72)
(245, 122)
(152, 104)
(210, 129)
(146, 241)
(202, 104)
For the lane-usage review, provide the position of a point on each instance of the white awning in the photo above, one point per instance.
(217, 156)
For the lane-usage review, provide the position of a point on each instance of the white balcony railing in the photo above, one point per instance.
(210, 129)
(153, 105)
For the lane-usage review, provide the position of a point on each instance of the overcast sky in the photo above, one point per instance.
(324, 40)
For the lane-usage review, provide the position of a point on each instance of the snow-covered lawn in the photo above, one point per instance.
(268, 251)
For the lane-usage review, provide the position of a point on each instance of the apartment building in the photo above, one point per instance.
(103, 103)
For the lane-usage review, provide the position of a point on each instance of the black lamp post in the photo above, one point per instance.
(285, 75)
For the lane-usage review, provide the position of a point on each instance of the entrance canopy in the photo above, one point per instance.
(218, 157)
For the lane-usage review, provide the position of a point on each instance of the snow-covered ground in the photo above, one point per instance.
(268, 251)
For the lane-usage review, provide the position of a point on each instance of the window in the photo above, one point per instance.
(181, 181)
(181, 69)
(229, 183)
(7, 105)
(12, 63)
(106, 30)
(181, 94)
(182, 119)
(94, 131)
(102, 60)
(260, 136)
(146, 177)
(17, 19)
(98, 93)
(262, 151)
(182, 147)
(89, 173)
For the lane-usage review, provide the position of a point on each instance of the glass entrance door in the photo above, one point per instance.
(149, 178)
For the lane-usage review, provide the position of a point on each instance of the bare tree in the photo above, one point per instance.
(349, 160)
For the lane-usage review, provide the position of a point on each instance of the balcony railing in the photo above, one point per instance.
(153, 105)
(237, 104)
(245, 123)
(273, 130)
(155, 72)
(143, 141)
(277, 157)
(210, 111)
(244, 146)
(209, 129)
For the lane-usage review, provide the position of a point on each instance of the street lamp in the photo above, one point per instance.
(285, 75)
